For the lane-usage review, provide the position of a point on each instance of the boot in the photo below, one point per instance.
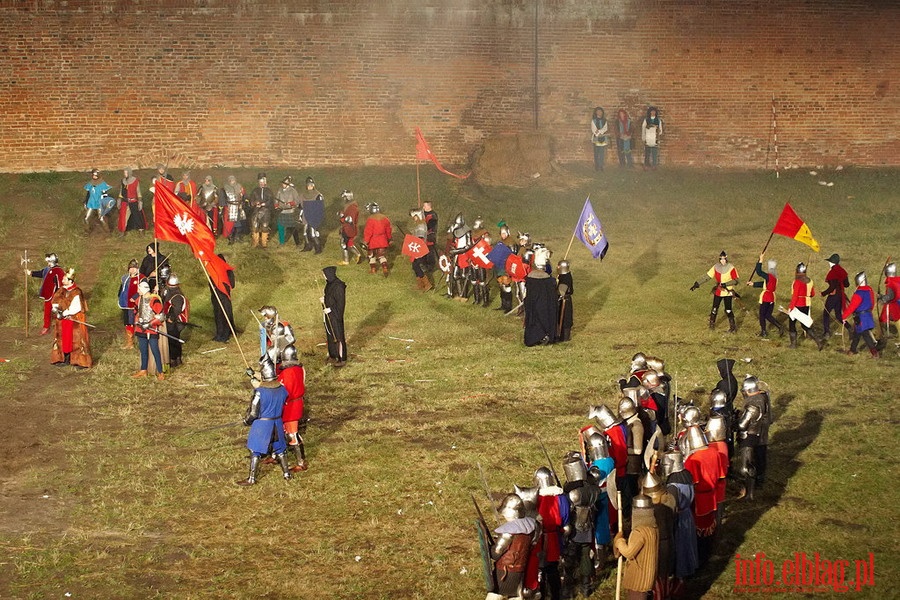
(793, 336)
(139, 374)
(358, 254)
(372, 269)
(317, 244)
(819, 340)
(264, 239)
(384, 269)
(285, 470)
(427, 286)
(732, 326)
(254, 240)
(129, 340)
(346, 260)
(749, 487)
(160, 377)
(254, 465)
(874, 352)
(301, 459)
(712, 320)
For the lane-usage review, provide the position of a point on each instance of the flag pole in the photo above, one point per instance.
(574, 231)
(418, 188)
(771, 235)
(227, 320)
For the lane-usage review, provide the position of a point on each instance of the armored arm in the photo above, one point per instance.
(252, 409)
(501, 546)
(748, 416)
(888, 296)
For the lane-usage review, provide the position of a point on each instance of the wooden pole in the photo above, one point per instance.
(418, 187)
(221, 306)
(570, 246)
(619, 566)
(775, 134)
(27, 275)
(766, 247)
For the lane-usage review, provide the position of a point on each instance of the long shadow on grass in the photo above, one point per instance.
(590, 305)
(373, 324)
(741, 515)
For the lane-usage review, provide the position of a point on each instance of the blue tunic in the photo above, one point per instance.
(864, 310)
(95, 192)
(687, 560)
(601, 524)
(271, 404)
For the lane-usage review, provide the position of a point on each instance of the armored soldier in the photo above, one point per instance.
(287, 205)
(617, 432)
(641, 549)
(769, 281)
(293, 377)
(208, 204)
(726, 278)
(541, 303)
(719, 407)
(262, 203)
(313, 216)
(231, 202)
(498, 255)
(658, 399)
(163, 178)
(584, 494)
(275, 335)
(635, 372)
(377, 235)
(565, 289)
(127, 290)
(705, 467)
(664, 506)
(680, 484)
(431, 225)
(420, 265)
(349, 219)
(149, 315)
(890, 313)
(97, 202)
(131, 208)
(860, 307)
(461, 275)
(478, 272)
(753, 435)
(835, 296)
(602, 464)
(186, 189)
(628, 412)
(802, 292)
(334, 300)
(71, 344)
(51, 280)
(716, 431)
(511, 549)
(554, 508)
(176, 308)
(264, 418)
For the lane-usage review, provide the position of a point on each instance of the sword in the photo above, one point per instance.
(79, 322)
(482, 521)
(549, 462)
(518, 306)
(158, 332)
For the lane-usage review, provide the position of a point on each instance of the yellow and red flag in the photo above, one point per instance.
(423, 152)
(792, 226)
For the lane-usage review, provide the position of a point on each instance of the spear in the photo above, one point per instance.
(619, 566)
(487, 492)
(25, 264)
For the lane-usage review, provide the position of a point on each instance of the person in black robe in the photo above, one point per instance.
(541, 302)
(222, 313)
(564, 288)
(154, 260)
(334, 299)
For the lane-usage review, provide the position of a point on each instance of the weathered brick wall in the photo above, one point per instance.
(344, 82)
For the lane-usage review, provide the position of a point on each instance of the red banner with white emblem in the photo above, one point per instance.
(515, 268)
(478, 254)
(414, 247)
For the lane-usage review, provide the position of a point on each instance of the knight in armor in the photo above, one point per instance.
(287, 203)
(208, 204)
(349, 220)
(151, 263)
(275, 335)
(97, 202)
(163, 178)
(127, 290)
(176, 308)
(628, 412)
(835, 295)
(658, 398)
(584, 494)
(716, 431)
(231, 204)
(498, 255)
(313, 216)
(601, 466)
(890, 300)
(262, 203)
(719, 407)
(616, 432)
(51, 278)
(641, 550)
(511, 548)
(680, 485)
(541, 303)
(334, 300)
(420, 265)
(635, 372)
(664, 506)
(768, 283)
(753, 435)
(431, 227)
(479, 273)
(554, 509)
(149, 316)
(130, 205)
(703, 463)
(186, 189)
(802, 293)
(861, 305)
(461, 274)
(726, 278)
(525, 251)
(264, 418)
(565, 290)
(71, 343)
(531, 584)
(293, 377)
(377, 235)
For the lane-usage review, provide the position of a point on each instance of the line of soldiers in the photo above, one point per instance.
(632, 490)
(837, 307)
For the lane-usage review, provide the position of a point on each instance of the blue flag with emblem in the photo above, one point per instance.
(590, 231)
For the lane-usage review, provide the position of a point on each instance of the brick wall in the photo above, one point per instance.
(344, 82)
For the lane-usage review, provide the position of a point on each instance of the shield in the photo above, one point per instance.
(804, 319)
(444, 263)
(487, 566)
(107, 203)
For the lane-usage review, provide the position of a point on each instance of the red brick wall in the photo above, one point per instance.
(344, 82)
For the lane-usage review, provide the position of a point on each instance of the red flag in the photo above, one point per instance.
(478, 254)
(414, 247)
(791, 225)
(177, 222)
(515, 268)
(423, 152)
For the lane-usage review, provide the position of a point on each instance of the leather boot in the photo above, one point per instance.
(285, 470)
(359, 255)
(372, 269)
(254, 240)
(254, 465)
(793, 336)
(139, 374)
(129, 340)
(264, 239)
(712, 320)
(317, 245)
(384, 269)
(751, 486)
(346, 259)
(732, 326)
(819, 340)
(301, 459)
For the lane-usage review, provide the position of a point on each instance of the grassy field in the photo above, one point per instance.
(106, 491)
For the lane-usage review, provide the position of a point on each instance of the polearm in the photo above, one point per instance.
(619, 565)
(487, 493)
(482, 521)
(222, 307)
(80, 322)
(549, 462)
(881, 330)
(27, 275)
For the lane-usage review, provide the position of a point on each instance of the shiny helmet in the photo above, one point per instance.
(656, 363)
(638, 362)
(52, 259)
(672, 462)
(750, 385)
(651, 484)
(267, 369)
(574, 467)
(347, 196)
(861, 279)
(417, 213)
(562, 267)
(143, 288)
(598, 446)
(603, 415)
(627, 408)
(164, 272)
(718, 399)
(173, 280)
(269, 314)
(310, 182)
(478, 222)
(651, 379)
(642, 502)
(289, 356)
(511, 508)
(524, 238)
(543, 478)
(459, 221)
(287, 180)
(373, 208)
(694, 439)
(890, 270)
(801, 268)
(541, 256)
(529, 496)
(716, 429)
(690, 415)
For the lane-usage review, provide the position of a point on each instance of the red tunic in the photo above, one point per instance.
(768, 294)
(51, 282)
(349, 218)
(704, 467)
(548, 507)
(377, 233)
(722, 448)
(892, 310)
(618, 448)
(801, 292)
(294, 381)
(156, 306)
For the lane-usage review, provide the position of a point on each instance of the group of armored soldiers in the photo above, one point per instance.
(838, 307)
(635, 488)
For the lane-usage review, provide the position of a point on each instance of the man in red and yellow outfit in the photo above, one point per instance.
(71, 345)
(726, 277)
(377, 235)
(802, 292)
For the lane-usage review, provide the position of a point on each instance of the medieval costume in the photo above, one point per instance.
(601, 466)
(664, 506)
(127, 290)
(349, 220)
(541, 303)
(262, 203)
(478, 271)
(186, 189)
(498, 255)
(334, 299)
(51, 280)
(584, 494)
(131, 207)
(616, 432)
(71, 343)
(512, 549)
(431, 226)
(835, 296)
(148, 310)
(651, 131)
(767, 297)
(624, 136)
(891, 297)
(753, 435)
(460, 280)
(680, 485)
(420, 264)
(231, 204)
(565, 289)
(554, 509)
(634, 466)
(860, 307)
(313, 204)
(162, 178)
(275, 335)
(599, 137)
(293, 377)
(641, 550)
(208, 204)
(221, 306)
(97, 202)
(726, 277)
(287, 203)
(801, 296)
(150, 263)
(377, 234)
(176, 308)
(264, 418)
(703, 463)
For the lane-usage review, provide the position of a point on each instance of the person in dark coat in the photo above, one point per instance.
(333, 301)
(222, 313)
(151, 262)
(564, 287)
(541, 299)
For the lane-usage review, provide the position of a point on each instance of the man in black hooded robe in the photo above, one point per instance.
(333, 301)
(541, 302)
